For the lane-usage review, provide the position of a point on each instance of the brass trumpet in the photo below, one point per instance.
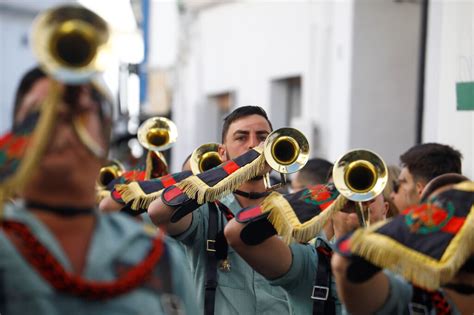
(108, 173)
(71, 43)
(286, 150)
(157, 134)
(360, 175)
(205, 157)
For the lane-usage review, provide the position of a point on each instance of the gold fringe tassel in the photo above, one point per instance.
(196, 189)
(133, 193)
(310, 229)
(287, 224)
(416, 267)
(281, 215)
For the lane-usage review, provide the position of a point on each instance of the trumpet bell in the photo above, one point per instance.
(360, 175)
(108, 173)
(286, 150)
(205, 157)
(71, 42)
(157, 134)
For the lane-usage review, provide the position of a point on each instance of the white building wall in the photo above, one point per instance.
(15, 58)
(384, 76)
(241, 47)
(450, 59)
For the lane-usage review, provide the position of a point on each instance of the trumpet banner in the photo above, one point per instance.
(427, 244)
(299, 216)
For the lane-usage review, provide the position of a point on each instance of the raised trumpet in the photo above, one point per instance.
(71, 43)
(205, 157)
(360, 175)
(108, 173)
(286, 151)
(157, 134)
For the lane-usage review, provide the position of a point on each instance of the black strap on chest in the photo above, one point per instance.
(422, 302)
(323, 302)
(216, 249)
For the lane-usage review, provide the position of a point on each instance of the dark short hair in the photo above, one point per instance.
(241, 112)
(70, 95)
(29, 79)
(315, 171)
(429, 160)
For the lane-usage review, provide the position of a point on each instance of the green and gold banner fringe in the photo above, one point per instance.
(133, 193)
(416, 267)
(287, 224)
(197, 189)
(311, 228)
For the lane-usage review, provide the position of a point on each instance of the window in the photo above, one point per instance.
(285, 100)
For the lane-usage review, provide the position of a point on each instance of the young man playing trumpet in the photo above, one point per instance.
(226, 284)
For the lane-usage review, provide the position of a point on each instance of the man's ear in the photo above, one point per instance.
(419, 185)
(386, 206)
(222, 152)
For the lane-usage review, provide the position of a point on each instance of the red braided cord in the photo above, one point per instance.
(439, 302)
(52, 271)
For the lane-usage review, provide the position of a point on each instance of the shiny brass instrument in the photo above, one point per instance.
(112, 170)
(157, 134)
(156, 165)
(286, 150)
(205, 157)
(71, 43)
(360, 175)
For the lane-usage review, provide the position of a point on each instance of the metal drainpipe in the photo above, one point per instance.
(421, 71)
(144, 65)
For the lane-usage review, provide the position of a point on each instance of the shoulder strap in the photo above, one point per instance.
(323, 303)
(211, 261)
(423, 301)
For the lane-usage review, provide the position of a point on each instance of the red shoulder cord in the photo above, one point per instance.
(439, 302)
(52, 271)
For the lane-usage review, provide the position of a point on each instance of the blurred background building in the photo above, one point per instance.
(375, 74)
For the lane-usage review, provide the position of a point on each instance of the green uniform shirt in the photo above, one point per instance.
(400, 297)
(240, 290)
(117, 242)
(298, 281)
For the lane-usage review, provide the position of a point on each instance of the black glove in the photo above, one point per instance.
(359, 269)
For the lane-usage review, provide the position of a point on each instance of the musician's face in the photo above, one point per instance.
(64, 150)
(243, 135)
(409, 190)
